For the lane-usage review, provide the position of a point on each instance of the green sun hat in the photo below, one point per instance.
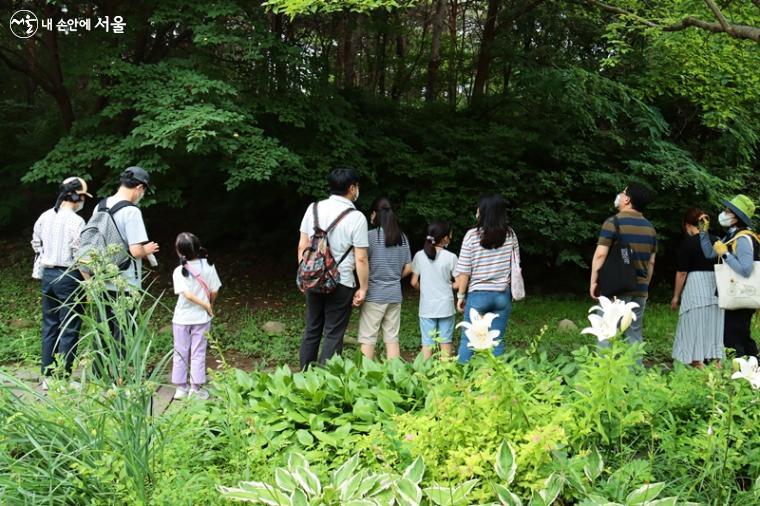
(743, 207)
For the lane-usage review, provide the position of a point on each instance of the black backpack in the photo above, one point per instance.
(618, 274)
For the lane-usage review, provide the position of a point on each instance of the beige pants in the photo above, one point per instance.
(375, 316)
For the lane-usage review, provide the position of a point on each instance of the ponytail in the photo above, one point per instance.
(189, 248)
(437, 231)
(385, 218)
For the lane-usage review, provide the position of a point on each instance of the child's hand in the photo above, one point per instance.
(209, 309)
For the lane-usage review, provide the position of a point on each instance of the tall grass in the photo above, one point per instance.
(98, 443)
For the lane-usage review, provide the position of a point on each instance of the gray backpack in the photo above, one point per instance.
(100, 233)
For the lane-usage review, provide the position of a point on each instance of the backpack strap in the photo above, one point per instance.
(339, 218)
(119, 206)
(618, 235)
(316, 215)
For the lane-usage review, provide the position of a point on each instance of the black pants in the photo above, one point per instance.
(60, 316)
(328, 313)
(736, 333)
(108, 350)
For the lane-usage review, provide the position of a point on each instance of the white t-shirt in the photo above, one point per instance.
(130, 223)
(436, 293)
(190, 313)
(351, 231)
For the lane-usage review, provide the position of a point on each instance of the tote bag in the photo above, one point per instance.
(734, 290)
(518, 284)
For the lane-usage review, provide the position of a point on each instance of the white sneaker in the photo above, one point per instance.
(44, 385)
(75, 385)
(200, 393)
(181, 393)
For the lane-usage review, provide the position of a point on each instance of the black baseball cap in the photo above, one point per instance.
(137, 174)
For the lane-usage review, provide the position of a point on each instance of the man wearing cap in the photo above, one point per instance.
(133, 183)
(739, 249)
(55, 241)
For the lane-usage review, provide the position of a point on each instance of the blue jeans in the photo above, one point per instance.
(487, 302)
(60, 316)
(444, 326)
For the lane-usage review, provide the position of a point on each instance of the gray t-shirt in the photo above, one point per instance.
(130, 223)
(436, 293)
(385, 267)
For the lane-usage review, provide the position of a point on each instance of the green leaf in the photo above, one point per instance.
(506, 462)
(345, 471)
(296, 459)
(304, 437)
(408, 493)
(299, 498)
(645, 493)
(667, 501)
(256, 492)
(308, 481)
(415, 471)
(594, 465)
(506, 497)
(285, 480)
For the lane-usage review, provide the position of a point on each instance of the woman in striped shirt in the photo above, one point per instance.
(484, 270)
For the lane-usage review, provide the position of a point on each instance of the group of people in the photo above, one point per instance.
(704, 330)
(377, 260)
(381, 258)
(56, 241)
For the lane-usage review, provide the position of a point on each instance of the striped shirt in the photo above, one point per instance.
(56, 237)
(489, 269)
(641, 236)
(385, 267)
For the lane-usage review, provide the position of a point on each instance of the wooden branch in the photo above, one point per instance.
(735, 31)
(718, 15)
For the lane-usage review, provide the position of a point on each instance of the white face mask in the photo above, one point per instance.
(617, 201)
(142, 194)
(79, 207)
(726, 219)
(356, 197)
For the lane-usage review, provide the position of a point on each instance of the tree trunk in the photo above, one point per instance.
(453, 58)
(484, 56)
(60, 93)
(431, 90)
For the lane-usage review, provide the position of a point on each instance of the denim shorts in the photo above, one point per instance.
(443, 326)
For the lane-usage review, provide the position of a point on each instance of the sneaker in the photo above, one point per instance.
(181, 393)
(44, 385)
(200, 393)
(75, 385)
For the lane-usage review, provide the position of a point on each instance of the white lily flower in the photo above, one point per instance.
(748, 370)
(616, 316)
(478, 331)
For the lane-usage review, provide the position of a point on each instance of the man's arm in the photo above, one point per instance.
(362, 271)
(303, 245)
(650, 268)
(143, 250)
(600, 255)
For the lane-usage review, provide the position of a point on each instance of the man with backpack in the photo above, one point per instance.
(118, 221)
(333, 241)
(636, 237)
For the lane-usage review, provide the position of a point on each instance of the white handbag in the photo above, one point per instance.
(734, 290)
(37, 267)
(518, 284)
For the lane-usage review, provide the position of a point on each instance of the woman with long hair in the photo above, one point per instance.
(389, 262)
(484, 270)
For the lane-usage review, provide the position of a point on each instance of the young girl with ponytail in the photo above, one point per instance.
(197, 284)
(433, 273)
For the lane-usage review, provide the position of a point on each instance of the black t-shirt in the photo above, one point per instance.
(691, 258)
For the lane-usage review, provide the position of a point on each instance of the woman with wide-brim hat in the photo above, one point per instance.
(740, 255)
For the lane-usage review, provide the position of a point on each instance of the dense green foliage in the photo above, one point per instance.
(239, 109)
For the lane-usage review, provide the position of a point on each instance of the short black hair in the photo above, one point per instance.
(341, 179)
(130, 183)
(639, 194)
